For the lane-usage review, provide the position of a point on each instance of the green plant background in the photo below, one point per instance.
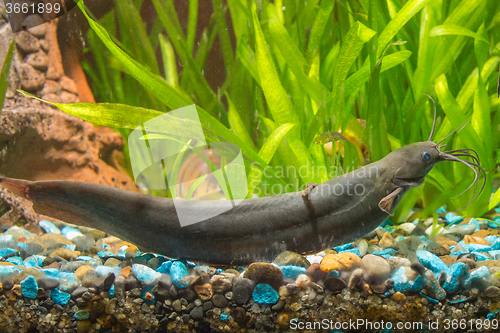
(299, 69)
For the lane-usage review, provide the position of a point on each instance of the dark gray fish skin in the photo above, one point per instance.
(338, 211)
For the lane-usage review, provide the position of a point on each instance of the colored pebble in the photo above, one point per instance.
(355, 251)
(59, 297)
(343, 247)
(452, 218)
(178, 272)
(15, 260)
(164, 267)
(224, 316)
(292, 272)
(417, 285)
(105, 254)
(29, 287)
(145, 274)
(103, 271)
(265, 294)
(81, 315)
(49, 227)
(431, 261)
(6, 238)
(455, 278)
(7, 251)
(476, 277)
(401, 280)
(70, 232)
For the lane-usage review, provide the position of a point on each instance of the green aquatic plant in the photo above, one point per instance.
(4, 74)
(300, 69)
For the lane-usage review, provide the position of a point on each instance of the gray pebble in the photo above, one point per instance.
(207, 306)
(177, 305)
(35, 24)
(242, 290)
(278, 306)
(27, 42)
(78, 292)
(197, 313)
(47, 284)
(219, 301)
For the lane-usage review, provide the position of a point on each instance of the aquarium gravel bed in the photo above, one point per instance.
(77, 279)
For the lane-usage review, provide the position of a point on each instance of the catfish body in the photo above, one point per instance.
(332, 213)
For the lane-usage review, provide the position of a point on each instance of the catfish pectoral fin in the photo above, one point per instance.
(386, 203)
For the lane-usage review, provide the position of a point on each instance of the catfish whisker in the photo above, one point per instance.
(458, 129)
(473, 166)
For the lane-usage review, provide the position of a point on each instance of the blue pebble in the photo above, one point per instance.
(343, 247)
(6, 251)
(388, 251)
(6, 238)
(111, 291)
(477, 247)
(220, 271)
(492, 224)
(81, 315)
(481, 256)
(49, 227)
(265, 294)
(22, 246)
(121, 254)
(15, 260)
(30, 262)
(457, 301)
(476, 223)
(84, 258)
(423, 238)
(69, 282)
(178, 272)
(164, 267)
(8, 271)
(496, 244)
(144, 257)
(431, 261)
(452, 218)
(145, 274)
(29, 287)
(333, 273)
(105, 254)
(441, 210)
(224, 316)
(71, 247)
(355, 251)
(432, 300)
(495, 254)
(292, 272)
(476, 276)
(491, 238)
(492, 315)
(401, 281)
(59, 297)
(103, 271)
(455, 278)
(417, 285)
(70, 232)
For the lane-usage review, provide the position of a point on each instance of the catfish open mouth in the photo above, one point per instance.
(413, 182)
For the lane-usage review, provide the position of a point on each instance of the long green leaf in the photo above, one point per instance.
(155, 84)
(4, 82)
(267, 152)
(277, 98)
(453, 29)
(402, 17)
(318, 28)
(296, 61)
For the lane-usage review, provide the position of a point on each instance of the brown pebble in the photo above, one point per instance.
(38, 60)
(448, 260)
(53, 98)
(67, 97)
(80, 272)
(26, 42)
(398, 297)
(386, 241)
(65, 253)
(481, 233)
(340, 262)
(468, 239)
(68, 84)
(31, 79)
(315, 273)
(264, 272)
(204, 291)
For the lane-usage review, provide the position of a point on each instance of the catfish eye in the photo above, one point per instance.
(426, 157)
